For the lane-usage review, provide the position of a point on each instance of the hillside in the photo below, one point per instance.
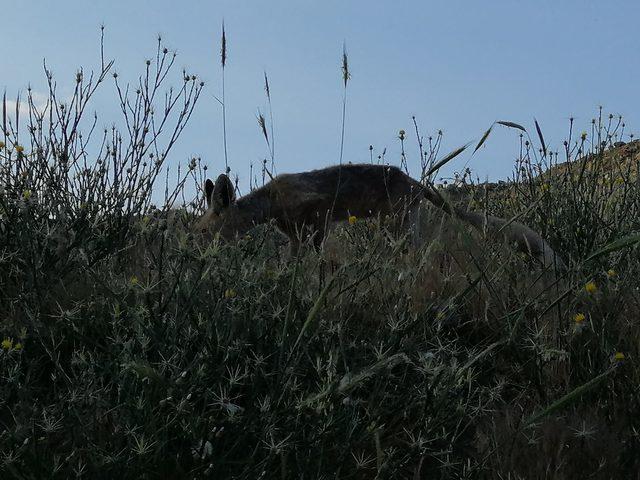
(131, 347)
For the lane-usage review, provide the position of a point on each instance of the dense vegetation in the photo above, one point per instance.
(132, 349)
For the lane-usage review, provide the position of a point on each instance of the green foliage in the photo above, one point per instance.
(132, 348)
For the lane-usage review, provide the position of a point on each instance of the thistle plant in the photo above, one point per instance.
(131, 348)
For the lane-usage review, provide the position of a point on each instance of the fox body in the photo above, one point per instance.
(303, 205)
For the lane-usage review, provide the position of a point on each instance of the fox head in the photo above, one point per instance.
(223, 215)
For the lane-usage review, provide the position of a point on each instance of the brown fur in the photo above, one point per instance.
(303, 204)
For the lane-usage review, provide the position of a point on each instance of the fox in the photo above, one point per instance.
(303, 205)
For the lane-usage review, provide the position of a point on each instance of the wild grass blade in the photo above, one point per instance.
(539, 130)
(313, 313)
(483, 139)
(570, 397)
(511, 125)
(619, 244)
(446, 159)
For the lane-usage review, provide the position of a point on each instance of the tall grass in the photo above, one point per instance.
(129, 348)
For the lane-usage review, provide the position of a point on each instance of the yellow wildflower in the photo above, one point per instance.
(26, 194)
(352, 219)
(19, 148)
(619, 356)
(611, 273)
(230, 293)
(18, 346)
(583, 135)
(591, 287)
(133, 280)
(7, 343)
(544, 187)
(579, 318)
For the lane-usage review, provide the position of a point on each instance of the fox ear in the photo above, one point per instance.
(208, 190)
(223, 193)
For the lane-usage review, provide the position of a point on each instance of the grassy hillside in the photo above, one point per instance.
(132, 349)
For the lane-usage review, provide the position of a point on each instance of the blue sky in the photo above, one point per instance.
(456, 66)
